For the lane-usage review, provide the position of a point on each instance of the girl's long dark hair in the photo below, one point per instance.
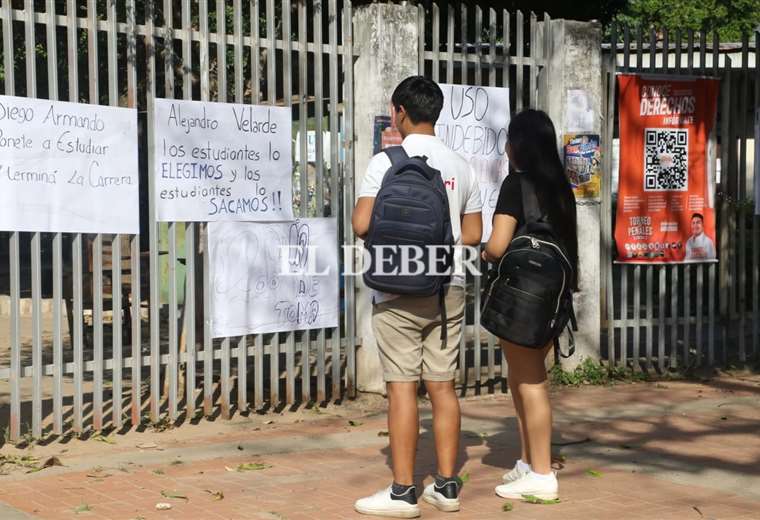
(533, 143)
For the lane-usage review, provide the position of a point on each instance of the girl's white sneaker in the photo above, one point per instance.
(544, 487)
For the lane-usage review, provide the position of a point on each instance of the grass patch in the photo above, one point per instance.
(591, 372)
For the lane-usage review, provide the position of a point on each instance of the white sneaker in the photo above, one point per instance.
(544, 487)
(381, 504)
(520, 470)
(444, 499)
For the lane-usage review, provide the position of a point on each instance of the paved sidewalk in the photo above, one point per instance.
(672, 450)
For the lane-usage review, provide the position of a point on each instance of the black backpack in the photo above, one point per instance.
(528, 299)
(411, 209)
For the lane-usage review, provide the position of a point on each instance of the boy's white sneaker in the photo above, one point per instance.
(544, 487)
(382, 504)
(445, 498)
(520, 470)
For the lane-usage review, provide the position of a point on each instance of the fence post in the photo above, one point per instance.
(575, 62)
(386, 39)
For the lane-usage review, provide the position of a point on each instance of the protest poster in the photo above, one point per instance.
(68, 167)
(579, 112)
(665, 206)
(582, 164)
(474, 123)
(273, 277)
(222, 161)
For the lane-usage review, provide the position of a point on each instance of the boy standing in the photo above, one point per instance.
(408, 328)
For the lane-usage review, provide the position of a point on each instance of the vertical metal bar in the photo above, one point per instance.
(52, 73)
(636, 317)
(640, 48)
(319, 149)
(335, 172)
(652, 50)
(135, 260)
(711, 316)
(225, 379)
(741, 195)
(626, 48)
(725, 229)
(702, 51)
(492, 47)
(348, 187)
(650, 315)
(624, 315)
(673, 315)
(187, 61)
(450, 43)
(690, 51)
(255, 51)
(661, 320)
(153, 228)
(607, 266)
(532, 69)
(242, 380)
(478, 45)
(14, 251)
(221, 52)
(436, 42)
(464, 51)
(699, 311)
(665, 51)
(287, 84)
(97, 332)
(756, 222)
(686, 315)
(519, 41)
(678, 50)
(303, 170)
(258, 374)
(171, 370)
(507, 49)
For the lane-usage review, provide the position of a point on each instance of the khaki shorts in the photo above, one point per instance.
(408, 333)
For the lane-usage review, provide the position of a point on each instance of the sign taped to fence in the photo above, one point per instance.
(582, 164)
(474, 123)
(68, 167)
(665, 206)
(222, 162)
(273, 277)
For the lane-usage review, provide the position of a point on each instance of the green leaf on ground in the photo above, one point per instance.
(383, 434)
(82, 508)
(354, 423)
(507, 507)
(593, 473)
(218, 495)
(174, 494)
(531, 499)
(461, 479)
(176, 462)
(252, 466)
(101, 438)
(158, 471)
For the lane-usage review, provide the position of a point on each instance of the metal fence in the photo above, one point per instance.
(147, 353)
(684, 316)
(466, 45)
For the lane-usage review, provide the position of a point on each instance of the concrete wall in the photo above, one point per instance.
(386, 37)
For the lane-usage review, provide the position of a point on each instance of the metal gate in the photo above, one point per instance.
(684, 316)
(138, 344)
(464, 44)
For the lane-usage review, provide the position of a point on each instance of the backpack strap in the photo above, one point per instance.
(396, 154)
(442, 305)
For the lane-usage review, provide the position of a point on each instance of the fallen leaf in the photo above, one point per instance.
(101, 438)
(240, 448)
(174, 494)
(383, 434)
(507, 507)
(251, 466)
(158, 471)
(593, 473)
(82, 508)
(531, 499)
(571, 443)
(354, 423)
(724, 418)
(148, 446)
(163, 506)
(176, 462)
(218, 495)
(626, 447)
(695, 508)
(270, 421)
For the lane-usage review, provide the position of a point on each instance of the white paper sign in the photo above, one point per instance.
(273, 277)
(222, 161)
(579, 113)
(474, 123)
(68, 167)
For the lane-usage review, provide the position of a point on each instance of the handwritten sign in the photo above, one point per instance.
(474, 123)
(68, 167)
(273, 277)
(222, 161)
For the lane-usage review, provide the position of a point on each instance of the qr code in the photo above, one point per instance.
(666, 159)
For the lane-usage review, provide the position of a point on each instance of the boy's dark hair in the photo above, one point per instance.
(699, 216)
(422, 98)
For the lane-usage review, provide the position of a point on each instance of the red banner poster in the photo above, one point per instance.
(665, 206)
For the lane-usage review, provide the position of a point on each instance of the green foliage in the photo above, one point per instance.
(593, 373)
(731, 18)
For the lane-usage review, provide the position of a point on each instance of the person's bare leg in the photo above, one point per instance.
(403, 429)
(446, 425)
(524, 449)
(529, 373)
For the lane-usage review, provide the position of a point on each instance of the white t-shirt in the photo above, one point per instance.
(458, 176)
(700, 247)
